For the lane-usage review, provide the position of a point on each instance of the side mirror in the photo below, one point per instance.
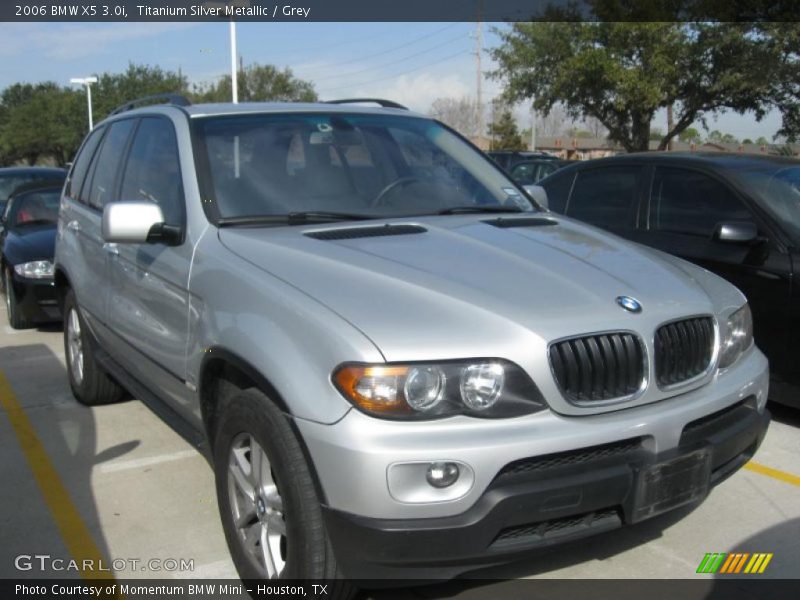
(538, 193)
(736, 232)
(132, 222)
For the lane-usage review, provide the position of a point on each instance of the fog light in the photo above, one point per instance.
(442, 474)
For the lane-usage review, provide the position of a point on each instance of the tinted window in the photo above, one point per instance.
(689, 202)
(375, 165)
(34, 208)
(558, 188)
(778, 187)
(153, 170)
(108, 164)
(82, 162)
(604, 197)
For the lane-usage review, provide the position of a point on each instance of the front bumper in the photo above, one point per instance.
(593, 466)
(37, 299)
(539, 502)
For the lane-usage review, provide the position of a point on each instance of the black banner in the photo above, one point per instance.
(405, 11)
(727, 588)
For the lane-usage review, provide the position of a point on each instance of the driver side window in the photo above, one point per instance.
(153, 170)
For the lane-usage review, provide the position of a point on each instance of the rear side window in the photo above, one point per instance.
(604, 197)
(82, 162)
(153, 170)
(692, 203)
(558, 188)
(108, 164)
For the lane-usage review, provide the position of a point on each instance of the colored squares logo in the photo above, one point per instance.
(731, 563)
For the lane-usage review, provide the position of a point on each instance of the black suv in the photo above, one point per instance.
(736, 215)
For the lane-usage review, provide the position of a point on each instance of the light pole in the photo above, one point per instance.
(87, 83)
(234, 53)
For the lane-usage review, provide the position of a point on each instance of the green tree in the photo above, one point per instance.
(259, 83)
(115, 89)
(622, 73)
(42, 120)
(656, 134)
(717, 137)
(690, 135)
(762, 141)
(504, 131)
(747, 141)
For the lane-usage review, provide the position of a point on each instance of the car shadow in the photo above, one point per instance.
(40, 488)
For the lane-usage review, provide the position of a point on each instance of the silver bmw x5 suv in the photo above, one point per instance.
(397, 363)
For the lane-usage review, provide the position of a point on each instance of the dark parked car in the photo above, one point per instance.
(736, 215)
(27, 243)
(532, 171)
(13, 177)
(508, 158)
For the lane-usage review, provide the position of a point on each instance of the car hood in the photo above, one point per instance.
(32, 242)
(465, 287)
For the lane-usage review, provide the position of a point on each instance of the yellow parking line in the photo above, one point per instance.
(774, 473)
(73, 530)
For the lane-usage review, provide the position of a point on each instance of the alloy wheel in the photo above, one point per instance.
(75, 346)
(256, 506)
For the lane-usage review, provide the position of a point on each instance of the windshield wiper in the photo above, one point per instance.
(456, 210)
(293, 218)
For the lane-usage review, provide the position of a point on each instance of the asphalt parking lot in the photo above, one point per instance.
(115, 483)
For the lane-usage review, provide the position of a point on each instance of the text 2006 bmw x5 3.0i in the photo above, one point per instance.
(401, 366)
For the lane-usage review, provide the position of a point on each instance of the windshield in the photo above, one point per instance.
(354, 164)
(779, 187)
(34, 208)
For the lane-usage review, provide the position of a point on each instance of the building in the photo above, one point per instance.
(579, 148)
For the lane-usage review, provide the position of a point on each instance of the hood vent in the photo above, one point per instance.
(521, 222)
(352, 233)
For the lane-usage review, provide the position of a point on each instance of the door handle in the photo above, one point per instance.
(112, 249)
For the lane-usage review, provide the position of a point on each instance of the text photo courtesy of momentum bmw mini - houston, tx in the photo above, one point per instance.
(352, 300)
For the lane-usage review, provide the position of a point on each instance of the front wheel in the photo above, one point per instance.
(268, 504)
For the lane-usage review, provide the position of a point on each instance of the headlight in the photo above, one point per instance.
(490, 388)
(737, 337)
(38, 269)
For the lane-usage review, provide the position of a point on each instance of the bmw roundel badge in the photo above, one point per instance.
(629, 304)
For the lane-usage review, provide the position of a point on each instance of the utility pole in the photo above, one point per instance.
(87, 83)
(533, 125)
(479, 77)
(670, 124)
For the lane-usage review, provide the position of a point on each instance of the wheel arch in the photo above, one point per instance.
(221, 369)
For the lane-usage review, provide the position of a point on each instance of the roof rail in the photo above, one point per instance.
(174, 99)
(378, 101)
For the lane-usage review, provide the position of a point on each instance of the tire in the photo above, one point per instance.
(16, 318)
(279, 511)
(90, 384)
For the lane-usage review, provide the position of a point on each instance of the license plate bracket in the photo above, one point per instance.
(667, 485)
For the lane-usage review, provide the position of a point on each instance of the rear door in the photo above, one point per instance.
(606, 196)
(92, 184)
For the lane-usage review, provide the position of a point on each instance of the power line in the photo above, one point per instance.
(390, 63)
(388, 50)
(346, 42)
(430, 64)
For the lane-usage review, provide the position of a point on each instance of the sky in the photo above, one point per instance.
(410, 63)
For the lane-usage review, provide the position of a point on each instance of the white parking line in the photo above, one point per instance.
(136, 463)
